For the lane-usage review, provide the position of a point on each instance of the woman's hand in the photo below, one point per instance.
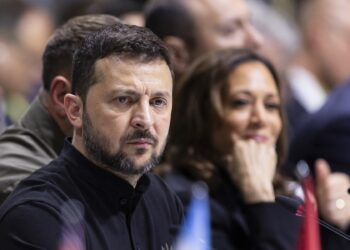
(252, 168)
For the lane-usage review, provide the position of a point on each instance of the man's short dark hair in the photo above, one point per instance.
(58, 54)
(120, 40)
(171, 18)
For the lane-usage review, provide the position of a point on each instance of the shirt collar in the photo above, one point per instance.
(306, 89)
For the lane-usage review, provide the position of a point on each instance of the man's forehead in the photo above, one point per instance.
(114, 60)
(130, 71)
(125, 65)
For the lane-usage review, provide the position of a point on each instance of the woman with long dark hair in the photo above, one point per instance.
(228, 131)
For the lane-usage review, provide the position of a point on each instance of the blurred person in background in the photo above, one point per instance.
(191, 28)
(324, 134)
(24, 30)
(129, 11)
(323, 60)
(37, 138)
(228, 131)
(324, 141)
(63, 10)
(279, 33)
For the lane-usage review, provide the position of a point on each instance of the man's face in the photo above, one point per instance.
(222, 24)
(127, 114)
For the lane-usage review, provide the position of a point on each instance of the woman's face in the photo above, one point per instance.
(251, 107)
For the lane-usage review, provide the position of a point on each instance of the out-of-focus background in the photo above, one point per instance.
(25, 26)
(297, 35)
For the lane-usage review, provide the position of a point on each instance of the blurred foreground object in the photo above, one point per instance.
(309, 237)
(195, 232)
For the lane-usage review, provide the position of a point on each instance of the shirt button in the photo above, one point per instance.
(123, 201)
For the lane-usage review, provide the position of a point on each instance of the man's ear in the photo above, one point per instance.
(73, 107)
(179, 53)
(60, 86)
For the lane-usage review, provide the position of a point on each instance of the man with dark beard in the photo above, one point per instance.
(98, 194)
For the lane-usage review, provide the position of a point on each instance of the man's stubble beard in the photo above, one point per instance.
(97, 146)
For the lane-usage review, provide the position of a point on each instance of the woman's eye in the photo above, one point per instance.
(239, 103)
(272, 106)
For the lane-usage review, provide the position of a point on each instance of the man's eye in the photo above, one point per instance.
(159, 102)
(123, 99)
(228, 30)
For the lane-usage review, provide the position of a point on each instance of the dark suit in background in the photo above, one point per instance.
(325, 134)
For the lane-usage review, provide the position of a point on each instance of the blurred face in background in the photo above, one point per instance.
(20, 55)
(134, 18)
(251, 107)
(223, 24)
(329, 31)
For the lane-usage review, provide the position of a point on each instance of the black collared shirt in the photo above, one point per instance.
(73, 204)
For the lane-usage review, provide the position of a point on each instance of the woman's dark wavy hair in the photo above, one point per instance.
(198, 110)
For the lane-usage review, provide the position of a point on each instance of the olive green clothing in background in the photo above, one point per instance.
(31, 143)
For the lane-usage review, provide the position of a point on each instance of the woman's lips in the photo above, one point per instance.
(258, 138)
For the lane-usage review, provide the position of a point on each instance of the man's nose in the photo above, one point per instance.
(253, 38)
(142, 117)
